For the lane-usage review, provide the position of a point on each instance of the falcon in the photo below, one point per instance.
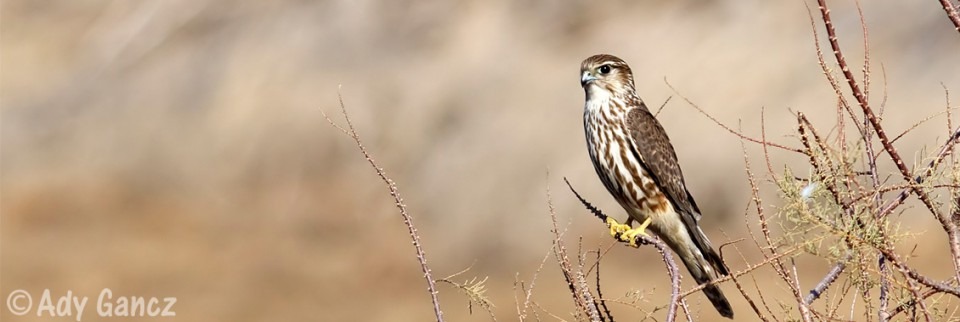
(637, 164)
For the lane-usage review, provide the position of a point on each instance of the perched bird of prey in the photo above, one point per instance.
(637, 164)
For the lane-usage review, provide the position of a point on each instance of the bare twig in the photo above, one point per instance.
(672, 269)
(528, 292)
(912, 303)
(739, 134)
(750, 268)
(913, 274)
(755, 194)
(827, 280)
(951, 13)
(736, 282)
(829, 73)
(865, 107)
(872, 193)
(915, 290)
(575, 279)
(777, 265)
(918, 123)
(945, 149)
(804, 308)
(395, 193)
(662, 106)
(763, 137)
(883, 312)
(603, 302)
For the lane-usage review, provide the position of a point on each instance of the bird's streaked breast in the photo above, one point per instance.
(609, 145)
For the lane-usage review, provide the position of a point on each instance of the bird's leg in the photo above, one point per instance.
(624, 232)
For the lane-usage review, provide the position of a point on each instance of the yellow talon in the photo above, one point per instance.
(631, 234)
(625, 232)
(616, 229)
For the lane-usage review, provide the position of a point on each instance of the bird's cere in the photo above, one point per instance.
(586, 77)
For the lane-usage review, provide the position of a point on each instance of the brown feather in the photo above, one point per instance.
(658, 156)
(637, 164)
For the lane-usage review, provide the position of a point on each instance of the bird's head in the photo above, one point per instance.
(606, 73)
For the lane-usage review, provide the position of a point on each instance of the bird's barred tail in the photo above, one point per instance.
(703, 271)
(706, 268)
(719, 301)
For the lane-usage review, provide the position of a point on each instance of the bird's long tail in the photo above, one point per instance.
(705, 268)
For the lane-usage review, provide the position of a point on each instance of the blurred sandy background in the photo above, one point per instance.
(176, 148)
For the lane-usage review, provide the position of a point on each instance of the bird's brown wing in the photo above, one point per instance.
(656, 153)
(653, 148)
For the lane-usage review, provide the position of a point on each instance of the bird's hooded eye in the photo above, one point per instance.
(605, 69)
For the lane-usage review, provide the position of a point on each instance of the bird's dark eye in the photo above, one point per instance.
(605, 69)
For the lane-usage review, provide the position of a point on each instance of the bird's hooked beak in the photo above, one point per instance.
(586, 77)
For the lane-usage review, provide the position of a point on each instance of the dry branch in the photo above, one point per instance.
(395, 193)
(575, 278)
(951, 13)
(662, 248)
(865, 106)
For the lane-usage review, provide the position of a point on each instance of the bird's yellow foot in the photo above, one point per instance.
(616, 228)
(625, 232)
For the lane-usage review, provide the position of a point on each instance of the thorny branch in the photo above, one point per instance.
(865, 106)
(951, 13)
(575, 278)
(875, 127)
(672, 270)
(739, 134)
(392, 186)
(777, 264)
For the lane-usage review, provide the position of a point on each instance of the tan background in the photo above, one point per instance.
(176, 148)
